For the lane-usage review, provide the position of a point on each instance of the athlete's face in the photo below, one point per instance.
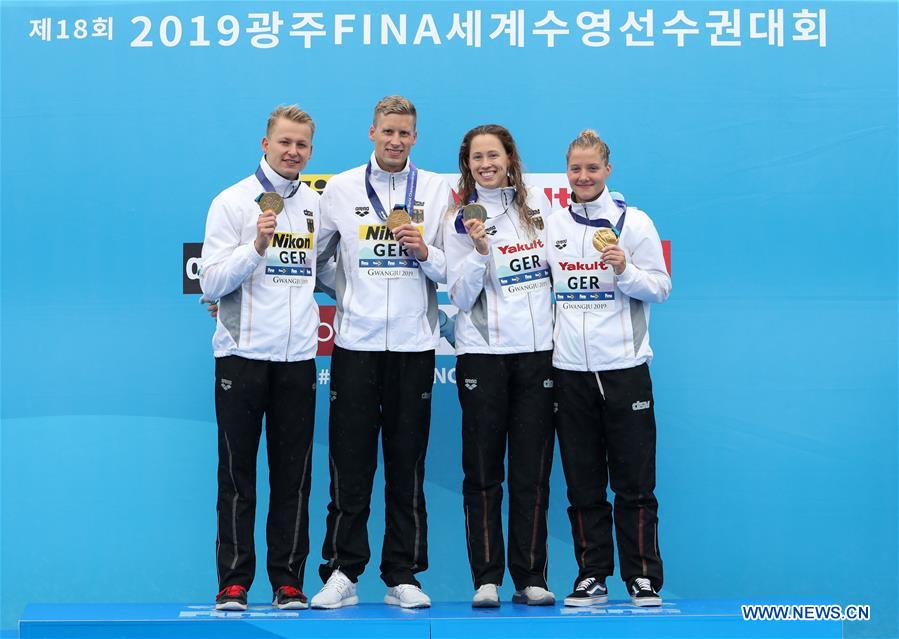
(394, 136)
(587, 173)
(288, 148)
(488, 161)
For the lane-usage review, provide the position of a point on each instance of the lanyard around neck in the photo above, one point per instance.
(269, 187)
(411, 183)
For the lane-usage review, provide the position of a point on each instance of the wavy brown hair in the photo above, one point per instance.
(467, 182)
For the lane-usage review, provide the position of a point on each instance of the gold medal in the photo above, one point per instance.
(604, 237)
(269, 200)
(474, 211)
(397, 218)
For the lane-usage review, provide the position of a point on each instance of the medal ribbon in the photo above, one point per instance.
(580, 219)
(460, 227)
(411, 183)
(268, 186)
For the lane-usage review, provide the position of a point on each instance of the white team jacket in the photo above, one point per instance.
(618, 336)
(257, 319)
(491, 319)
(382, 306)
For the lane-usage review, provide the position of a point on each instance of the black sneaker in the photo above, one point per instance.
(642, 593)
(290, 598)
(231, 598)
(588, 592)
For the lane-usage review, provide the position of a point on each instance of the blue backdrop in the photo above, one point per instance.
(771, 169)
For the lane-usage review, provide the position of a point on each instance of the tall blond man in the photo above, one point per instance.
(382, 220)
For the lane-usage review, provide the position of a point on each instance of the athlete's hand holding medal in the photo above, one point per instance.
(605, 240)
(271, 204)
(473, 217)
(409, 237)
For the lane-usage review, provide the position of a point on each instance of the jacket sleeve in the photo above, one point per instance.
(328, 243)
(645, 277)
(326, 278)
(435, 266)
(465, 267)
(225, 263)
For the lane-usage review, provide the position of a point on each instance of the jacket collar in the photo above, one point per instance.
(602, 207)
(380, 174)
(282, 185)
(502, 197)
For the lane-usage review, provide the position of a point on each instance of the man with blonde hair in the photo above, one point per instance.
(382, 219)
(258, 261)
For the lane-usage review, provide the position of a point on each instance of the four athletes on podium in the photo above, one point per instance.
(527, 367)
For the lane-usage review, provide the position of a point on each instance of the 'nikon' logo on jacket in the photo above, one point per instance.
(287, 240)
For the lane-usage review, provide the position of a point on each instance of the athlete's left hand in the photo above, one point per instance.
(614, 256)
(410, 239)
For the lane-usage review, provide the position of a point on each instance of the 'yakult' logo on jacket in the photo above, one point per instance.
(583, 266)
(515, 248)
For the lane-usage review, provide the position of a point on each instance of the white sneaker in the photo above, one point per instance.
(337, 592)
(534, 596)
(487, 596)
(407, 596)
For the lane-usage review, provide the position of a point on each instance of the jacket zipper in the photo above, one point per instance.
(584, 313)
(530, 306)
(289, 305)
(387, 305)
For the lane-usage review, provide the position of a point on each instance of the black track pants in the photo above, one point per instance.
(506, 398)
(389, 393)
(607, 433)
(284, 392)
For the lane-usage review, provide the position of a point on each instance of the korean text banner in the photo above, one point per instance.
(760, 138)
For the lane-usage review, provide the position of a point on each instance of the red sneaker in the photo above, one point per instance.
(290, 598)
(231, 598)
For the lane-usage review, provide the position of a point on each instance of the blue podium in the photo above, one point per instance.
(679, 619)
